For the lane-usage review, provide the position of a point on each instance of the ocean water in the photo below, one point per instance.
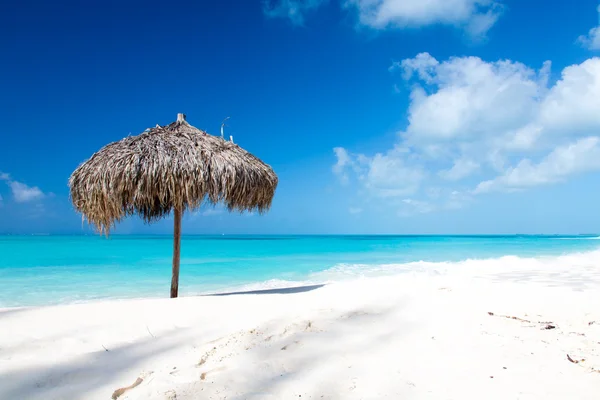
(44, 270)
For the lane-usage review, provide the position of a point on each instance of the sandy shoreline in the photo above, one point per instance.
(414, 336)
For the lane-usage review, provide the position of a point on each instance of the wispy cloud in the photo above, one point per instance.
(294, 10)
(461, 169)
(412, 206)
(475, 17)
(343, 161)
(578, 157)
(591, 41)
(21, 192)
(37, 210)
(387, 175)
(212, 210)
(355, 210)
(208, 210)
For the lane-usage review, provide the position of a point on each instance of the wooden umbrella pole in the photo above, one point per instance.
(176, 253)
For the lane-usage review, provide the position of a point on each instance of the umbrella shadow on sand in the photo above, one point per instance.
(289, 290)
(86, 373)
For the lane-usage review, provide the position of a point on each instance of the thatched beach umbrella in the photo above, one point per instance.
(176, 167)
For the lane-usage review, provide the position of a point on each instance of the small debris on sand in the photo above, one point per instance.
(547, 325)
(121, 391)
(574, 361)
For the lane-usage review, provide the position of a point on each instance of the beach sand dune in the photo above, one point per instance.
(446, 335)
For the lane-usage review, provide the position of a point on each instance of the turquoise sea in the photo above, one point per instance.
(43, 270)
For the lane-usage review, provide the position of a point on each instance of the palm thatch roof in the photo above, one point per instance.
(176, 166)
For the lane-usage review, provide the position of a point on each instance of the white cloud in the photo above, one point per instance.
(216, 210)
(476, 16)
(355, 210)
(479, 24)
(21, 192)
(591, 41)
(461, 169)
(580, 156)
(343, 161)
(468, 98)
(294, 10)
(441, 201)
(474, 113)
(412, 206)
(37, 210)
(507, 122)
(209, 210)
(3, 177)
(572, 104)
(389, 175)
(383, 175)
(457, 200)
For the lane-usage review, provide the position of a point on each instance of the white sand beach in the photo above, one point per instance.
(423, 335)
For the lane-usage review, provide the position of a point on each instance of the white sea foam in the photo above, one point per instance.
(586, 264)
(579, 238)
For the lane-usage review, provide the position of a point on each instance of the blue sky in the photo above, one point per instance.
(379, 116)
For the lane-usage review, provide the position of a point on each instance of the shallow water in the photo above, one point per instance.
(42, 270)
